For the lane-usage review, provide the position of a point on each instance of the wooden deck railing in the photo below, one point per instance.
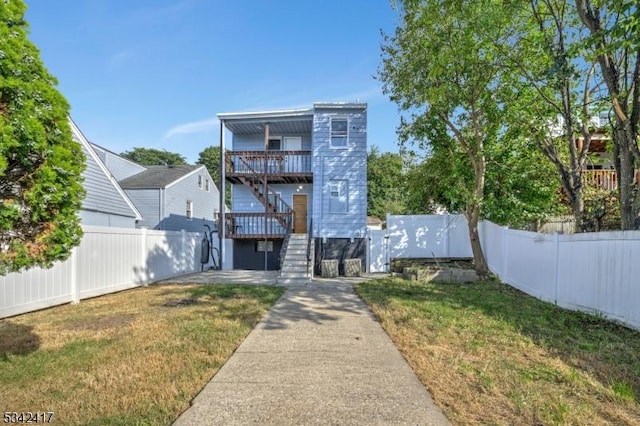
(274, 162)
(258, 225)
(605, 179)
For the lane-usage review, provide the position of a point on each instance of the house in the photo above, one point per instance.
(298, 171)
(181, 197)
(170, 198)
(105, 203)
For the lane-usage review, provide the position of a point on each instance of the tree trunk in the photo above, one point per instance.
(479, 262)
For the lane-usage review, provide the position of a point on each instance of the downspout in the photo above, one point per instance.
(222, 220)
(266, 190)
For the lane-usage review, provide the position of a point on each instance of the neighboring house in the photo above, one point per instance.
(301, 171)
(105, 203)
(172, 197)
(120, 167)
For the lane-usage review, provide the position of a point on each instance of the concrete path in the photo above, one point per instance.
(317, 357)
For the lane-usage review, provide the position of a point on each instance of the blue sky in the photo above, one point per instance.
(155, 73)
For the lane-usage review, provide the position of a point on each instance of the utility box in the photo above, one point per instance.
(352, 267)
(329, 268)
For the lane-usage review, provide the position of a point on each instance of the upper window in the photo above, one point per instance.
(338, 199)
(274, 144)
(206, 184)
(339, 132)
(189, 209)
(200, 181)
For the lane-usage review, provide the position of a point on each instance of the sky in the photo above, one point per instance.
(154, 73)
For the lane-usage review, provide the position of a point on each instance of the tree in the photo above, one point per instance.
(552, 91)
(210, 158)
(386, 183)
(614, 28)
(441, 72)
(521, 187)
(40, 164)
(154, 157)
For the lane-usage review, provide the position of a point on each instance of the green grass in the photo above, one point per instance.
(490, 354)
(136, 357)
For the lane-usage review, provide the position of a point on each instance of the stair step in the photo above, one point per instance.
(293, 275)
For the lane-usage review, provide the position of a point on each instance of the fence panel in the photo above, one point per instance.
(422, 236)
(107, 260)
(599, 273)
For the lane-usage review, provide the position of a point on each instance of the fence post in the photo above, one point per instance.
(556, 240)
(143, 257)
(505, 252)
(446, 235)
(183, 254)
(75, 293)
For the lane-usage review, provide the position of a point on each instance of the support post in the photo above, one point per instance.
(222, 219)
(266, 191)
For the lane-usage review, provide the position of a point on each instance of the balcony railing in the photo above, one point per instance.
(258, 225)
(605, 179)
(274, 162)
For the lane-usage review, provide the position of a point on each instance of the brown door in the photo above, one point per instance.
(300, 213)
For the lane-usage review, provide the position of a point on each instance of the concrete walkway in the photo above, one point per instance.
(317, 357)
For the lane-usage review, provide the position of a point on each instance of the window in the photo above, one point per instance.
(206, 184)
(274, 144)
(339, 133)
(338, 199)
(260, 246)
(200, 181)
(189, 209)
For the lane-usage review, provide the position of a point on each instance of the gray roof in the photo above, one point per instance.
(157, 176)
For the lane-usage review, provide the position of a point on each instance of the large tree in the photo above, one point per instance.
(614, 27)
(443, 74)
(154, 157)
(386, 183)
(40, 164)
(552, 91)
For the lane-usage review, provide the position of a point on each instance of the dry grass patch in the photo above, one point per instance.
(136, 357)
(490, 354)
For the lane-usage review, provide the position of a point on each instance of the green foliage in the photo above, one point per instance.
(154, 157)
(386, 184)
(40, 164)
(601, 209)
(210, 158)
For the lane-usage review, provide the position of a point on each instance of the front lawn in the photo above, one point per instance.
(136, 357)
(490, 354)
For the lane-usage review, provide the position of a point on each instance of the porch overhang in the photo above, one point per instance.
(298, 121)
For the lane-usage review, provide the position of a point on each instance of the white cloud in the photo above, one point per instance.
(192, 127)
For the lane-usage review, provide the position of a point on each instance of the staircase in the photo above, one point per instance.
(295, 268)
(272, 201)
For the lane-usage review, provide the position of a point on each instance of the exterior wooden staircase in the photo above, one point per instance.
(272, 201)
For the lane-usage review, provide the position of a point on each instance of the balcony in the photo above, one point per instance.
(279, 166)
(258, 226)
(604, 179)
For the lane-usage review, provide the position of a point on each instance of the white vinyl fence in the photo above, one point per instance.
(593, 272)
(107, 260)
(418, 236)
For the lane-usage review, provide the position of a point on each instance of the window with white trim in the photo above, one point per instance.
(189, 209)
(200, 181)
(338, 196)
(206, 184)
(339, 132)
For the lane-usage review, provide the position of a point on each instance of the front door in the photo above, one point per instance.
(300, 213)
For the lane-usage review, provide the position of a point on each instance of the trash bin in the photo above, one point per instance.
(352, 267)
(329, 268)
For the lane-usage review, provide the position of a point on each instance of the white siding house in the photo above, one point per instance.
(301, 171)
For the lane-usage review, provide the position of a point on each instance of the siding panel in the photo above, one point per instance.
(348, 164)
